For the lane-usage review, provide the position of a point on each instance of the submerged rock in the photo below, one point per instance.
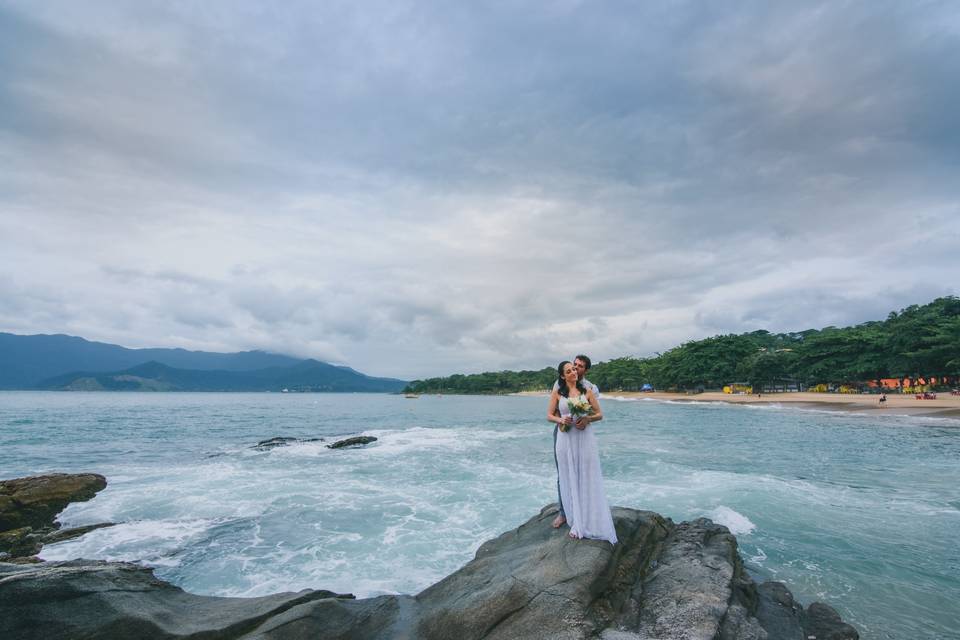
(350, 442)
(279, 441)
(62, 535)
(661, 580)
(282, 441)
(822, 621)
(779, 613)
(785, 619)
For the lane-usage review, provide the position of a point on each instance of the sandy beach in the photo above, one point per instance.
(945, 405)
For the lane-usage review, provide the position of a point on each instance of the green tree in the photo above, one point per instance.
(916, 341)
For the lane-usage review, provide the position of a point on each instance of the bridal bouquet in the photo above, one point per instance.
(579, 407)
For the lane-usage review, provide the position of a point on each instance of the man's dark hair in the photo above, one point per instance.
(585, 360)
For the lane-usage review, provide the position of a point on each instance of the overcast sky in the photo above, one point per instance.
(419, 189)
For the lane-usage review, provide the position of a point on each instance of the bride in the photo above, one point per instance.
(574, 408)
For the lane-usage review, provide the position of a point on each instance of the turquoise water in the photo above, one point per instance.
(860, 511)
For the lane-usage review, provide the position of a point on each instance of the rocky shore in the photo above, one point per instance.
(29, 507)
(662, 580)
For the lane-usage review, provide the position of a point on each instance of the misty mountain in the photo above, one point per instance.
(308, 375)
(68, 362)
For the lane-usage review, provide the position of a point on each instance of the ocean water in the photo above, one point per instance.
(862, 512)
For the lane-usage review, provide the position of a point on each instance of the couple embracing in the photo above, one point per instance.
(573, 408)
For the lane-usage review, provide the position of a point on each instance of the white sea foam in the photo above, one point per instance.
(882, 416)
(417, 501)
(420, 439)
(401, 513)
(938, 420)
(767, 406)
(128, 541)
(712, 404)
(738, 523)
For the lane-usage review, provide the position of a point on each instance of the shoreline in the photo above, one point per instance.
(945, 406)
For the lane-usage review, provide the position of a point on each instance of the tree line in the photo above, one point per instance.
(920, 341)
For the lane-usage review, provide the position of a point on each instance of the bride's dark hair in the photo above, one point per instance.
(562, 384)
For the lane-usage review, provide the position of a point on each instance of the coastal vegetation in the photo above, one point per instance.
(918, 343)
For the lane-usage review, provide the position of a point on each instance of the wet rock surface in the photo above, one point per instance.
(352, 442)
(282, 441)
(35, 501)
(96, 599)
(29, 507)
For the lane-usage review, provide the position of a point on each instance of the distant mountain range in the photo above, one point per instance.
(60, 362)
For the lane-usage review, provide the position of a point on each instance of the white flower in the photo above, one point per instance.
(579, 406)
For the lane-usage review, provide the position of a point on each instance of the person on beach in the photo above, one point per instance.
(574, 408)
(582, 364)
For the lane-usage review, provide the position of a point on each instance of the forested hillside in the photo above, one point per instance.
(919, 341)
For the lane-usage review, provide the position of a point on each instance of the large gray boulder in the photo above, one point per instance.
(661, 581)
(96, 599)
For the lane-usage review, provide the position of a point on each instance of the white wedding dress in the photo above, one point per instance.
(581, 483)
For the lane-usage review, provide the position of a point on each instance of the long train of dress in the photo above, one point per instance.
(581, 483)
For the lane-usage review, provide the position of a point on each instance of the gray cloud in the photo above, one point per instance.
(418, 188)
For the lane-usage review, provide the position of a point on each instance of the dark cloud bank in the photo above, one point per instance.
(416, 189)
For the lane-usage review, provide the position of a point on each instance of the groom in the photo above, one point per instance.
(582, 364)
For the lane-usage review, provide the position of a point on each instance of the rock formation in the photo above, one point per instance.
(352, 442)
(662, 580)
(29, 507)
(282, 441)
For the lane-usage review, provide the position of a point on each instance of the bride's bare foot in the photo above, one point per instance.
(573, 536)
(559, 521)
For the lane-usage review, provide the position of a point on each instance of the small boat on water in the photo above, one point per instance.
(411, 396)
